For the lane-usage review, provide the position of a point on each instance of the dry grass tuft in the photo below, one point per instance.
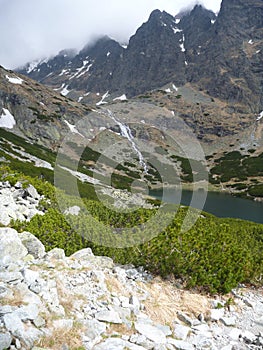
(65, 298)
(121, 329)
(114, 285)
(165, 300)
(15, 300)
(72, 338)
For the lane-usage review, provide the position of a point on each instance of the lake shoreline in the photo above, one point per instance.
(218, 203)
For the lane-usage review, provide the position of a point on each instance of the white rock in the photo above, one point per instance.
(63, 323)
(18, 344)
(124, 313)
(124, 301)
(235, 333)
(151, 332)
(185, 318)
(5, 340)
(30, 276)
(13, 324)
(181, 332)
(10, 244)
(4, 217)
(228, 321)
(249, 302)
(4, 291)
(7, 198)
(31, 336)
(135, 302)
(6, 309)
(121, 274)
(94, 329)
(117, 344)
(27, 295)
(165, 329)
(33, 245)
(27, 312)
(11, 212)
(11, 277)
(162, 347)
(201, 328)
(56, 253)
(180, 344)
(110, 316)
(249, 336)
(39, 322)
(259, 321)
(32, 192)
(228, 347)
(137, 338)
(216, 314)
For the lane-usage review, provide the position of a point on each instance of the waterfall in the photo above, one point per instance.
(126, 133)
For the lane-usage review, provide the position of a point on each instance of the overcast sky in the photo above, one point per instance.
(30, 29)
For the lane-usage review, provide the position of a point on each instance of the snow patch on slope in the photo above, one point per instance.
(7, 120)
(182, 44)
(82, 70)
(101, 102)
(260, 116)
(65, 91)
(15, 80)
(73, 128)
(121, 98)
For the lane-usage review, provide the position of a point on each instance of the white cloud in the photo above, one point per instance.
(32, 29)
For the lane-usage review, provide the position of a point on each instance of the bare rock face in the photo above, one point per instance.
(222, 55)
(230, 64)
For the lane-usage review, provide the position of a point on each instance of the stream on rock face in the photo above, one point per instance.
(219, 204)
(126, 133)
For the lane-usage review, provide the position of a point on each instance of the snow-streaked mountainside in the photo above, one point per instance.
(221, 55)
(155, 55)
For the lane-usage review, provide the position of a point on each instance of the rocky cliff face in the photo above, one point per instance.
(156, 54)
(230, 63)
(222, 55)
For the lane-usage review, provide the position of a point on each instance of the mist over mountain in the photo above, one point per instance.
(221, 55)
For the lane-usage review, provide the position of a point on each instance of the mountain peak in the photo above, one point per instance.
(158, 15)
(155, 14)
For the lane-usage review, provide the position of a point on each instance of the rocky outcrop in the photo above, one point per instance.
(18, 203)
(230, 62)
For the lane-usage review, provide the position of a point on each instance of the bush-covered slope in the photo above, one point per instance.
(215, 254)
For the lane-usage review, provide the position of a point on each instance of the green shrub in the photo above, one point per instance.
(256, 190)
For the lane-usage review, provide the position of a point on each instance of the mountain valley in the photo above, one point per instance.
(98, 148)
